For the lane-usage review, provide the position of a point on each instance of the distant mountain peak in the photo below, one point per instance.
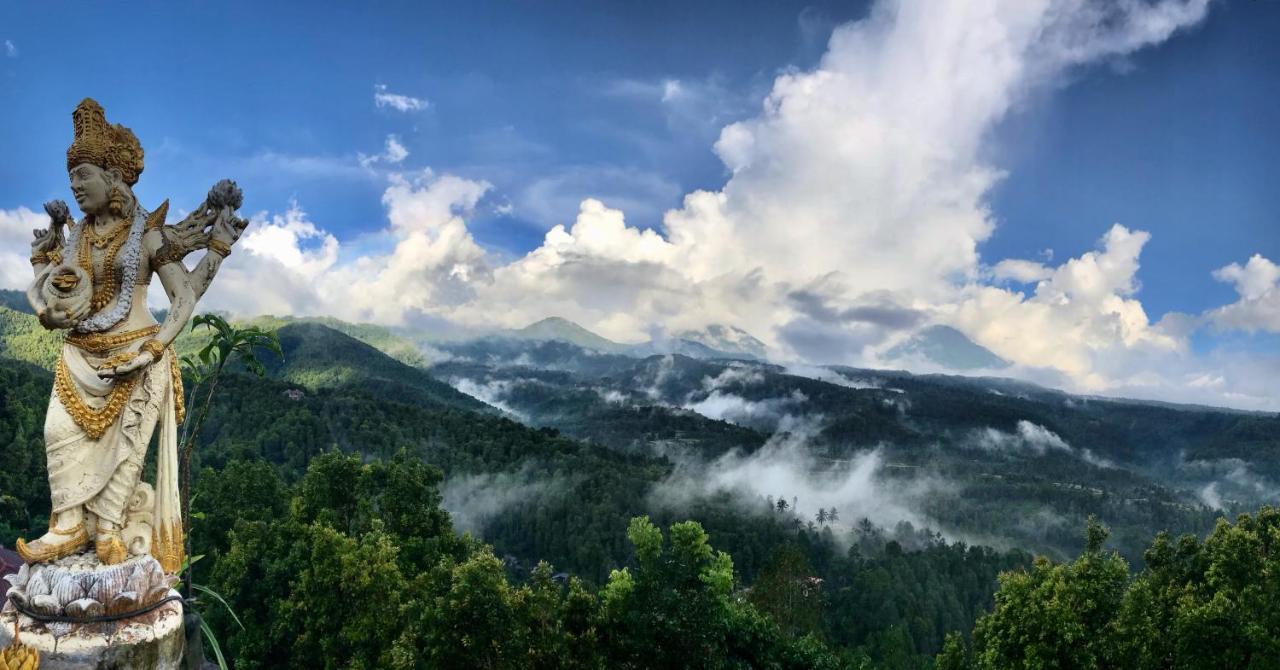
(948, 347)
(562, 329)
(730, 340)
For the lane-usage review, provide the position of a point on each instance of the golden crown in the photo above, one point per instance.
(103, 144)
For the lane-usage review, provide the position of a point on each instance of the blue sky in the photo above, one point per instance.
(517, 92)
(547, 104)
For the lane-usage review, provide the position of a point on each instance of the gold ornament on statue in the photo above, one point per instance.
(219, 247)
(103, 144)
(99, 343)
(153, 347)
(19, 657)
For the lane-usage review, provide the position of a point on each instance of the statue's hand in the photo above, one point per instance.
(59, 320)
(48, 239)
(186, 238)
(139, 362)
(228, 228)
(191, 232)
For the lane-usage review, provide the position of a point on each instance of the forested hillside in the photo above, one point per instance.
(855, 507)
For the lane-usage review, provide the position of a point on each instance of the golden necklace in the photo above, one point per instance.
(104, 282)
(101, 240)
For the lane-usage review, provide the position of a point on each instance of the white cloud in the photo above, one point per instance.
(474, 499)
(1231, 481)
(1029, 435)
(1035, 438)
(1082, 311)
(16, 226)
(431, 266)
(735, 374)
(554, 197)
(393, 154)
(786, 468)
(10, 49)
(401, 103)
(1026, 272)
(395, 151)
(491, 392)
(862, 177)
(854, 208)
(767, 413)
(1258, 285)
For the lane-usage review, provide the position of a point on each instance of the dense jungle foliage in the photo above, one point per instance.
(322, 489)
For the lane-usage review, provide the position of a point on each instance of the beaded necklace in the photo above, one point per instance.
(131, 246)
(104, 282)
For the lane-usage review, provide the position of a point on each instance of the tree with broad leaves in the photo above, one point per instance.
(226, 344)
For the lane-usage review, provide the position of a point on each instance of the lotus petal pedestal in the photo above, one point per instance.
(78, 586)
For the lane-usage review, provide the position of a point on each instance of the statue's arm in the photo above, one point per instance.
(177, 285)
(204, 272)
(46, 251)
(33, 292)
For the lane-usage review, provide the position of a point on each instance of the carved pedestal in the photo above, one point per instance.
(79, 587)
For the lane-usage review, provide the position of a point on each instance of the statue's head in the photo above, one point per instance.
(103, 162)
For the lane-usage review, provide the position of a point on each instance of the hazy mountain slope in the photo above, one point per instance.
(947, 347)
(730, 340)
(382, 338)
(23, 338)
(1002, 461)
(15, 300)
(564, 330)
(989, 460)
(316, 356)
(596, 412)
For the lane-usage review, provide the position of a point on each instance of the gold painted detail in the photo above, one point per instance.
(117, 360)
(101, 239)
(110, 549)
(153, 347)
(175, 371)
(44, 552)
(155, 220)
(103, 144)
(101, 343)
(19, 656)
(166, 546)
(70, 531)
(168, 253)
(65, 280)
(51, 257)
(94, 422)
(104, 282)
(219, 247)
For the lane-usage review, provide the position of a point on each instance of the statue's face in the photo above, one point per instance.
(91, 186)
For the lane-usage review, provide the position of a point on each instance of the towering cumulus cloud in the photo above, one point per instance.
(854, 213)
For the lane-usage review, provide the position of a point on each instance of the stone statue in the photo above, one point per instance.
(117, 377)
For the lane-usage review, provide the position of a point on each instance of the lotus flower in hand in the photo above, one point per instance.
(225, 194)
